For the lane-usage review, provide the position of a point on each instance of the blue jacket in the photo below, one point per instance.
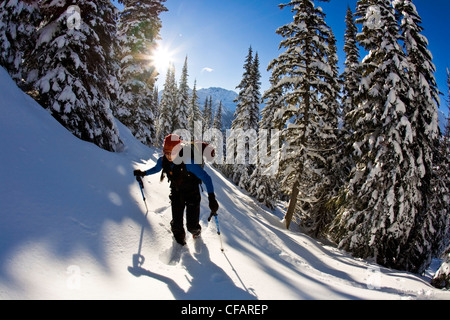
(192, 168)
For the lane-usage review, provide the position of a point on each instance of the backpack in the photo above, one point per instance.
(178, 176)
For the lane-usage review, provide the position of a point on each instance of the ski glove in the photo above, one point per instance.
(213, 205)
(139, 173)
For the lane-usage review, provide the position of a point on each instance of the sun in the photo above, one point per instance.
(162, 58)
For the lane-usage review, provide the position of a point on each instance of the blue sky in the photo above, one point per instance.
(215, 36)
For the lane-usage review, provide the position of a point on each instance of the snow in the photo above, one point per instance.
(73, 225)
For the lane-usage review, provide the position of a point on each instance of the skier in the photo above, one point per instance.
(184, 177)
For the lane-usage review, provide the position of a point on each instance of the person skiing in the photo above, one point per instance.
(184, 176)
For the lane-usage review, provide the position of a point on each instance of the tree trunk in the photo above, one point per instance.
(292, 203)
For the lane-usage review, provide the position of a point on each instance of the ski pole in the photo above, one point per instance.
(141, 186)
(218, 228)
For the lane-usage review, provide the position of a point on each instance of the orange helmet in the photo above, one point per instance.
(170, 142)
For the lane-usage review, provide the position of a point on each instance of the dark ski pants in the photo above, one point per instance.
(189, 200)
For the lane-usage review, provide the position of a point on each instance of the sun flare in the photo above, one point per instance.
(161, 58)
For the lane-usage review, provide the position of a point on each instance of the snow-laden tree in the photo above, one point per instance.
(207, 113)
(181, 114)
(167, 106)
(439, 195)
(306, 76)
(247, 110)
(350, 80)
(273, 105)
(263, 183)
(351, 76)
(244, 127)
(71, 63)
(426, 239)
(155, 103)
(138, 32)
(441, 199)
(18, 21)
(385, 209)
(195, 119)
(217, 122)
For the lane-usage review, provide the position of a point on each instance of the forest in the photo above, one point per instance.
(360, 160)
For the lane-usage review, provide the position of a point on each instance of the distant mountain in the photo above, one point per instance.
(219, 94)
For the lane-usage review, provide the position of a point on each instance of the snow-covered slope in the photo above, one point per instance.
(73, 225)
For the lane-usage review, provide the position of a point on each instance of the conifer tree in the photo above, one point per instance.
(195, 114)
(70, 64)
(306, 75)
(18, 21)
(247, 110)
(155, 104)
(167, 105)
(422, 111)
(181, 113)
(138, 32)
(263, 184)
(217, 123)
(385, 206)
(273, 98)
(214, 136)
(254, 94)
(447, 126)
(350, 79)
(440, 196)
(245, 123)
(207, 113)
(351, 76)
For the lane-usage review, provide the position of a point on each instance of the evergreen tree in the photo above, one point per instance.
(181, 114)
(427, 235)
(273, 106)
(351, 76)
(195, 115)
(215, 137)
(263, 184)
(155, 103)
(138, 32)
(207, 113)
(350, 79)
(385, 206)
(254, 94)
(447, 126)
(306, 76)
(217, 123)
(247, 110)
(70, 64)
(18, 22)
(245, 123)
(167, 106)
(440, 192)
